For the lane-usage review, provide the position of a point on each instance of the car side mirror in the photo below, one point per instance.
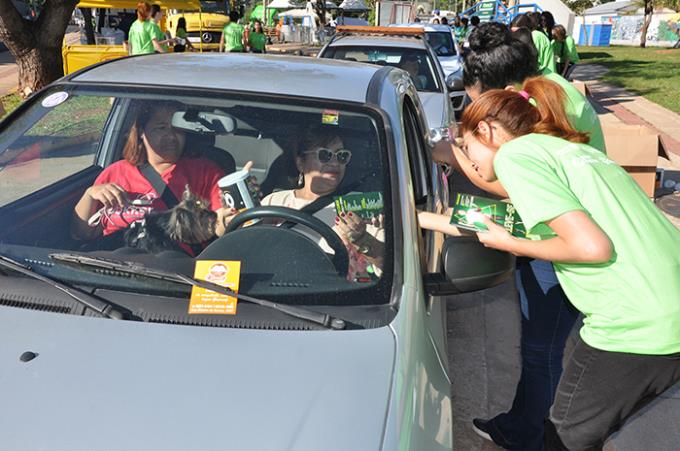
(469, 266)
(454, 81)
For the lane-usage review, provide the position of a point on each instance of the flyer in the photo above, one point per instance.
(366, 205)
(467, 208)
(207, 302)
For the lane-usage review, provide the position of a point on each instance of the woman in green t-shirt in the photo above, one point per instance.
(257, 40)
(615, 254)
(565, 52)
(181, 41)
(140, 36)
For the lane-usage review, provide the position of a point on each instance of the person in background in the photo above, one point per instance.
(435, 21)
(547, 23)
(619, 270)
(463, 30)
(445, 21)
(160, 42)
(232, 35)
(474, 23)
(565, 52)
(141, 34)
(544, 51)
(257, 40)
(182, 43)
(435, 16)
(498, 59)
(126, 20)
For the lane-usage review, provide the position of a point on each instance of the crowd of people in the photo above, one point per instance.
(555, 47)
(145, 34)
(529, 136)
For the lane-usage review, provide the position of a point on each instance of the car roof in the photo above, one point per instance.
(271, 74)
(409, 42)
(426, 26)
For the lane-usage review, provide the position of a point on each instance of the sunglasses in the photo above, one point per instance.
(342, 156)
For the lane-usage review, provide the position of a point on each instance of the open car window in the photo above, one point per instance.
(50, 155)
(441, 42)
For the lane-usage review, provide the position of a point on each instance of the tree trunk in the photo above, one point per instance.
(89, 29)
(649, 10)
(36, 45)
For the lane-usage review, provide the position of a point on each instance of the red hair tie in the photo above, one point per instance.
(525, 95)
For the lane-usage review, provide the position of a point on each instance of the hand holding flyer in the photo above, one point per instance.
(469, 212)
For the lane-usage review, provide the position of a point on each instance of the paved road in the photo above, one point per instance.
(9, 73)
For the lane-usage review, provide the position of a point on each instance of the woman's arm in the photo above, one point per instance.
(565, 66)
(109, 195)
(579, 240)
(437, 223)
(157, 46)
(222, 42)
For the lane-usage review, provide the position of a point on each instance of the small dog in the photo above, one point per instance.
(183, 227)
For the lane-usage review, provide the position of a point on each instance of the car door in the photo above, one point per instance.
(431, 194)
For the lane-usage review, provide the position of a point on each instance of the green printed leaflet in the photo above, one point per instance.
(502, 213)
(366, 205)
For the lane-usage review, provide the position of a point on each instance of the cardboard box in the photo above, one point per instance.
(636, 148)
(582, 87)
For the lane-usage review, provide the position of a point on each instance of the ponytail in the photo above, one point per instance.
(537, 108)
(143, 11)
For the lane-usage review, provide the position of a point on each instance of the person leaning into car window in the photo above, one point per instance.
(121, 194)
(322, 160)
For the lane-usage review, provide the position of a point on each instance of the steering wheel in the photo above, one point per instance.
(341, 258)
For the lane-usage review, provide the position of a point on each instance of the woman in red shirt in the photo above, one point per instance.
(125, 194)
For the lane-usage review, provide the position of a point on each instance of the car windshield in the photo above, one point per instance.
(416, 62)
(210, 6)
(441, 42)
(318, 163)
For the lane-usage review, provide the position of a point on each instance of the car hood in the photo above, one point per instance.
(434, 105)
(101, 384)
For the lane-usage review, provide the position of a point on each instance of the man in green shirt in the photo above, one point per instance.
(232, 35)
(159, 41)
(544, 51)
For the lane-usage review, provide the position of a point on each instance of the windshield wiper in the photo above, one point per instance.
(136, 269)
(83, 298)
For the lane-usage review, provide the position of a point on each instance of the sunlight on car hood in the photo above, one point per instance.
(100, 384)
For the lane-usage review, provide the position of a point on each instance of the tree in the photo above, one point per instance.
(579, 7)
(36, 41)
(648, 6)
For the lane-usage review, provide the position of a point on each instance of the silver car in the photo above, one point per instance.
(408, 52)
(103, 347)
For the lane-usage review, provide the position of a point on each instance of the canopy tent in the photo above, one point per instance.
(298, 13)
(353, 5)
(258, 13)
(282, 4)
(132, 4)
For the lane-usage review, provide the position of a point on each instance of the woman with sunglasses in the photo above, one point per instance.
(614, 253)
(322, 161)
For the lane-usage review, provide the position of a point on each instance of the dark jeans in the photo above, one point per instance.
(547, 320)
(599, 390)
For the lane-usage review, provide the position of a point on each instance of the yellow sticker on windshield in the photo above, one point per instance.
(330, 117)
(207, 302)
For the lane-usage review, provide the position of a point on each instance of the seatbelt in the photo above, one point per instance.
(154, 178)
(167, 196)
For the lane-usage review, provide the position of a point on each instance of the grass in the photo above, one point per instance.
(650, 72)
(9, 103)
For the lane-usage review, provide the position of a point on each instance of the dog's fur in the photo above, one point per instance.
(190, 222)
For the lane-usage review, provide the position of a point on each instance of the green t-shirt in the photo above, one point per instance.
(580, 112)
(257, 41)
(233, 37)
(546, 59)
(158, 34)
(140, 36)
(181, 33)
(564, 50)
(631, 303)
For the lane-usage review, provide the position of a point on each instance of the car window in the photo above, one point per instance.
(57, 137)
(296, 148)
(416, 62)
(441, 42)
